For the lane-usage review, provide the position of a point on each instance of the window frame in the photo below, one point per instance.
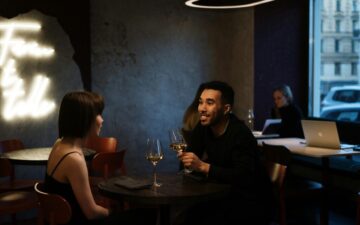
(318, 64)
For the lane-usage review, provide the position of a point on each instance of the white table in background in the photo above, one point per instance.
(297, 146)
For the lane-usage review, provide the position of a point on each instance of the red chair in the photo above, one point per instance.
(15, 195)
(7, 172)
(277, 160)
(54, 208)
(106, 165)
(101, 144)
(8, 181)
(10, 145)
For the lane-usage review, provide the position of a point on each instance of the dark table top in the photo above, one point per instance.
(175, 189)
(35, 156)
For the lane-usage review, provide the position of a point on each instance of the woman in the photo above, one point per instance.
(191, 115)
(66, 173)
(287, 111)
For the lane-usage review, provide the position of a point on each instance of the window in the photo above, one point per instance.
(337, 26)
(354, 5)
(333, 54)
(338, 5)
(349, 96)
(355, 25)
(354, 69)
(337, 69)
(353, 46)
(336, 45)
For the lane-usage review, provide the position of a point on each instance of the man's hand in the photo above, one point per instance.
(191, 160)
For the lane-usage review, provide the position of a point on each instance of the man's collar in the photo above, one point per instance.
(224, 129)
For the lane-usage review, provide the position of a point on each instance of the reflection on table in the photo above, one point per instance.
(260, 135)
(36, 156)
(175, 189)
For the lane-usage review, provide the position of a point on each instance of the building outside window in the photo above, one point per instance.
(337, 26)
(338, 5)
(355, 5)
(337, 45)
(337, 71)
(354, 69)
(334, 51)
(353, 46)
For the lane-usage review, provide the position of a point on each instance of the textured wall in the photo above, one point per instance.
(148, 57)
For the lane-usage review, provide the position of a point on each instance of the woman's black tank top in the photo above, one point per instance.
(64, 189)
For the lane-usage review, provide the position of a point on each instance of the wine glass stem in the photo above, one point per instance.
(154, 175)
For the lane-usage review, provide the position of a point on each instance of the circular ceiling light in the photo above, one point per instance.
(224, 4)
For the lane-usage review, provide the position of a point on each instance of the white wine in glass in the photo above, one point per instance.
(154, 154)
(178, 144)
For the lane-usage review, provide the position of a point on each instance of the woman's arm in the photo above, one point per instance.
(77, 174)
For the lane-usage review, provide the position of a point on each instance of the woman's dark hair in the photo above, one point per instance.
(99, 102)
(191, 116)
(77, 114)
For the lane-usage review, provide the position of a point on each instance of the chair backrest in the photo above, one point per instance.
(6, 169)
(11, 145)
(101, 144)
(277, 159)
(54, 208)
(276, 153)
(108, 163)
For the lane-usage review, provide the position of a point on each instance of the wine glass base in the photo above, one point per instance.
(185, 171)
(156, 185)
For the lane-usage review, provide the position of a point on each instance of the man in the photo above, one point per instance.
(224, 149)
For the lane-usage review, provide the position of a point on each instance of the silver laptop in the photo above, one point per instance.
(322, 134)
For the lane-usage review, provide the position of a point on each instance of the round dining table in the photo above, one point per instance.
(175, 190)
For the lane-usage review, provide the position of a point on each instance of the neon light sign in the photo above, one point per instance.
(16, 103)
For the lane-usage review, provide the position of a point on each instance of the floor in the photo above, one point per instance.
(342, 212)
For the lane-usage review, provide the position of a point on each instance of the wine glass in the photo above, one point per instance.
(178, 144)
(154, 154)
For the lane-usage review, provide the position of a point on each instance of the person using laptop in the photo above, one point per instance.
(289, 113)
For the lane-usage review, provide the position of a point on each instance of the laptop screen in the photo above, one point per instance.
(271, 126)
(321, 134)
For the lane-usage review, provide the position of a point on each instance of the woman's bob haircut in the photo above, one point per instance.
(77, 114)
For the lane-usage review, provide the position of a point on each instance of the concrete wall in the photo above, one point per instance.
(148, 58)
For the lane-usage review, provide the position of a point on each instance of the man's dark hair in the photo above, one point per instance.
(227, 93)
(77, 114)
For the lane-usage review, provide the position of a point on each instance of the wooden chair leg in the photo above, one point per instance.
(358, 209)
(13, 219)
(324, 214)
(282, 210)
